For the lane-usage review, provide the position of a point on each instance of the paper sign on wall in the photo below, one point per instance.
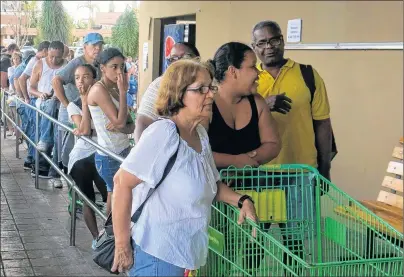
(145, 55)
(294, 33)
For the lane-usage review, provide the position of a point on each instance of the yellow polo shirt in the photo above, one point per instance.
(296, 127)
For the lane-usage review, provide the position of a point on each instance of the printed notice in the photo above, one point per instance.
(294, 33)
(145, 55)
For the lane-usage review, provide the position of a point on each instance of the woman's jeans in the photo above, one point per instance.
(107, 167)
(148, 265)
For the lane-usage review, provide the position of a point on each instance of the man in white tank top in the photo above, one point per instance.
(41, 87)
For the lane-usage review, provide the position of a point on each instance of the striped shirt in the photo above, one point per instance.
(149, 99)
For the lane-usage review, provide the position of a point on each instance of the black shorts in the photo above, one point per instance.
(84, 173)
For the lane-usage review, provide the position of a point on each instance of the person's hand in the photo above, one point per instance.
(76, 132)
(279, 103)
(110, 127)
(26, 100)
(243, 160)
(44, 96)
(123, 259)
(248, 211)
(123, 83)
(83, 91)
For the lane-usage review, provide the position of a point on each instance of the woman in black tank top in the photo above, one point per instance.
(242, 131)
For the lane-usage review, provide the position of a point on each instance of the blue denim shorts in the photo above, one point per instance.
(148, 265)
(107, 167)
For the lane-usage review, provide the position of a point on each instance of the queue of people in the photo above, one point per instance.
(247, 106)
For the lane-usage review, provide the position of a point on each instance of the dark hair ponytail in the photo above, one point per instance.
(231, 53)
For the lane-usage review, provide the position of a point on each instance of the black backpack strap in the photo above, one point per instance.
(308, 77)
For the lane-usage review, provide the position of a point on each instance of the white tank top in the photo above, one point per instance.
(45, 82)
(113, 141)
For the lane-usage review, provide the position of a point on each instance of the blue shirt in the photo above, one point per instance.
(17, 72)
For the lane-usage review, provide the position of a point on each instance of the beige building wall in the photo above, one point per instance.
(365, 87)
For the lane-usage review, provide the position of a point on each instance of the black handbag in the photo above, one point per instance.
(104, 252)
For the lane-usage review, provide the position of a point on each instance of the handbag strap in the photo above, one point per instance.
(167, 170)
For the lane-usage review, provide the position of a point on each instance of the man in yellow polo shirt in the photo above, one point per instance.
(304, 125)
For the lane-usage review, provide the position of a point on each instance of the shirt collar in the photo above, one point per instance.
(290, 63)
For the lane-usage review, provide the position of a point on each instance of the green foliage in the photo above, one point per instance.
(125, 34)
(55, 23)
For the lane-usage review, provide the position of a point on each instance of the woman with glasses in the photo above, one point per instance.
(171, 232)
(242, 131)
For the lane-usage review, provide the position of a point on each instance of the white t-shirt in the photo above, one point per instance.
(81, 149)
(174, 222)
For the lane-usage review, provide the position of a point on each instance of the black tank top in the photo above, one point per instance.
(224, 139)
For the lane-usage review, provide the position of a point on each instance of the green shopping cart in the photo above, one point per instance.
(307, 228)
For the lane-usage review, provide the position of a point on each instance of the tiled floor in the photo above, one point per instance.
(35, 225)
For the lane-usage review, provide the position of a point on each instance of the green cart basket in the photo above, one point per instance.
(308, 227)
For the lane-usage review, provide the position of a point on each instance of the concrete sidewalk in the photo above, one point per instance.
(35, 225)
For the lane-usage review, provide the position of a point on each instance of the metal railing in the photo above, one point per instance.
(69, 180)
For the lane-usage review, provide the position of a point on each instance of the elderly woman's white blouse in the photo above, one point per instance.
(174, 223)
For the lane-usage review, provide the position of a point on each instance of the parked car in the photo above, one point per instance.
(26, 48)
(79, 51)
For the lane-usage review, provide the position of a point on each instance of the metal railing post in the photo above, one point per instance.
(73, 218)
(36, 150)
(17, 135)
(4, 118)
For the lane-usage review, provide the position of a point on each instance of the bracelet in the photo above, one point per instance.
(242, 198)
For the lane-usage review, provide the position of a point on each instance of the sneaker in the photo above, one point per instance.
(43, 174)
(42, 146)
(27, 166)
(93, 244)
(56, 183)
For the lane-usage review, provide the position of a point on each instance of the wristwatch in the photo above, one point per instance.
(242, 198)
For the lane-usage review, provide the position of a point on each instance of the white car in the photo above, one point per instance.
(25, 48)
(79, 52)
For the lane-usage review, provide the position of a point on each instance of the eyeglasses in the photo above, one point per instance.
(176, 58)
(204, 89)
(275, 41)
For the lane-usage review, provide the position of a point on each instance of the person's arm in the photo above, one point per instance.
(101, 98)
(323, 131)
(124, 183)
(35, 77)
(142, 122)
(57, 85)
(320, 109)
(23, 85)
(17, 88)
(3, 77)
(239, 161)
(83, 122)
(270, 141)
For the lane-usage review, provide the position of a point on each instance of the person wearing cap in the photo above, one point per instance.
(65, 90)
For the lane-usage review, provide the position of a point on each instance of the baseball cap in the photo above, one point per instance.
(93, 38)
